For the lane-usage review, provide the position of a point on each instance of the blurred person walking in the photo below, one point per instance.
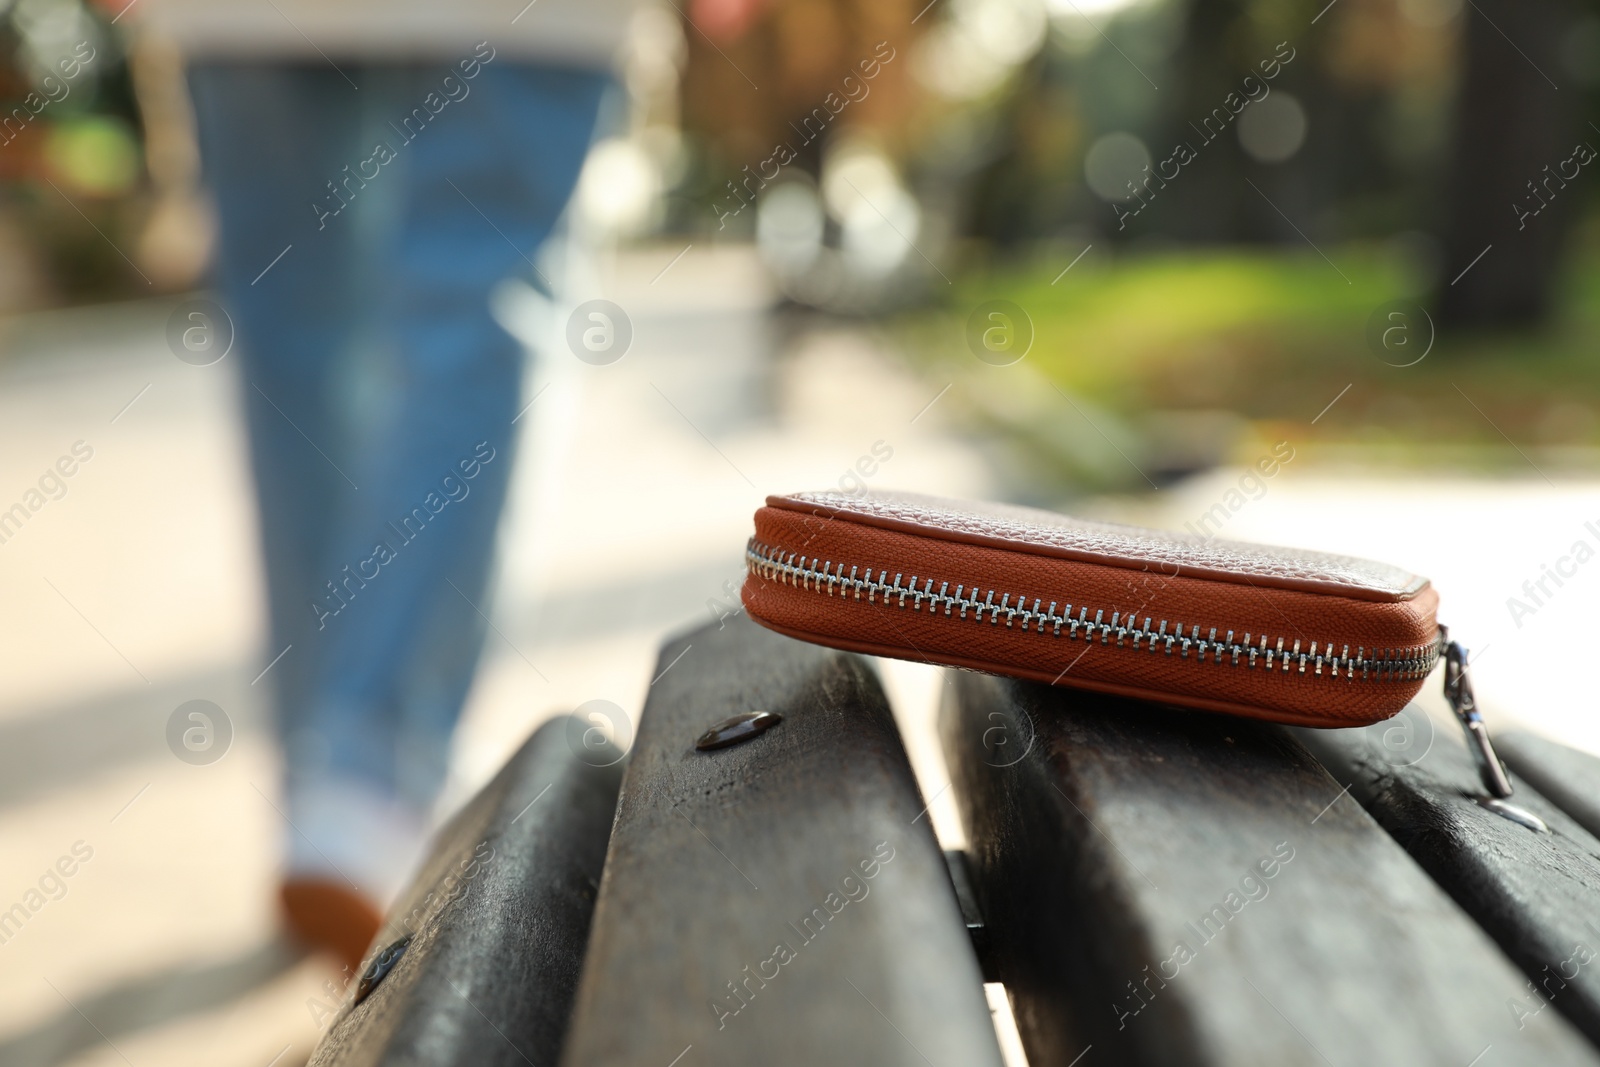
(377, 168)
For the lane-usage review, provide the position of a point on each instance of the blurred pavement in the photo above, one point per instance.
(140, 589)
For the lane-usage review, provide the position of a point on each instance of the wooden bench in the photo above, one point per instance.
(1150, 886)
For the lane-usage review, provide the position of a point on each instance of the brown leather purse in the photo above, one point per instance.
(1287, 635)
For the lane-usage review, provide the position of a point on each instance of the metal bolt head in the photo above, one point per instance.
(379, 968)
(737, 729)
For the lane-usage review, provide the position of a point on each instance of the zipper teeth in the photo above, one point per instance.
(1409, 663)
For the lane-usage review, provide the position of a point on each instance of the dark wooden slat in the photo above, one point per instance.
(1105, 833)
(498, 917)
(1566, 777)
(1538, 895)
(719, 861)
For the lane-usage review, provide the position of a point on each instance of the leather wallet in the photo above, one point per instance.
(1287, 635)
(1283, 634)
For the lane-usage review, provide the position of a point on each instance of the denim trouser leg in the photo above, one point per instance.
(379, 394)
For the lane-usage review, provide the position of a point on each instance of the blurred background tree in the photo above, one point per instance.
(70, 157)
(1390, 159)
(907, 160)
(999, 127)
(1513, 126)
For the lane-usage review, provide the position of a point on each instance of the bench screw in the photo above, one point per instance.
(737, 729)
(380, 967)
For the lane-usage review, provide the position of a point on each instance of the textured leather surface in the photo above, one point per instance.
(1045, 532)
(1033, 595)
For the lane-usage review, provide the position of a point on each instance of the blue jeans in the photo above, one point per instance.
(360, 235)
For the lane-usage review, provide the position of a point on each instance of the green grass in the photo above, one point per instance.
(1275, 336)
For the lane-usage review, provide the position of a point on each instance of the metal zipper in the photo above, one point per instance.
(1409, 663)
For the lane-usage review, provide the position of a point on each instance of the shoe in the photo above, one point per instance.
(330, 916)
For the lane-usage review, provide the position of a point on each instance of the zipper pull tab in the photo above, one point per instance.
(1458, 691)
